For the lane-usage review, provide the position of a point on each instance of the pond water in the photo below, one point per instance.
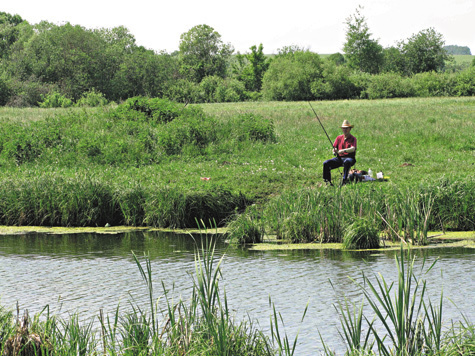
(84, 273)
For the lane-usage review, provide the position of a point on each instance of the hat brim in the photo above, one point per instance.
(346, 127)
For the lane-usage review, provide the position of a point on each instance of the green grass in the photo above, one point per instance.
(464, 59)
(58, 152)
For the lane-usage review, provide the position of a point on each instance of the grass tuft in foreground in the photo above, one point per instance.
(404, 320)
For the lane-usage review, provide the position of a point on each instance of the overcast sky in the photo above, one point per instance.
(318, 25)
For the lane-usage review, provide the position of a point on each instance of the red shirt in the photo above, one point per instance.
(342, 143)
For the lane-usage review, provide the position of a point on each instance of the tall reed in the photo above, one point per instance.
(404, 322)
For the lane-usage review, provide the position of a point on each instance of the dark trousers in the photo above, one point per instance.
(336, 162)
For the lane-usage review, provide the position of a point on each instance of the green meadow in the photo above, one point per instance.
(92, 167)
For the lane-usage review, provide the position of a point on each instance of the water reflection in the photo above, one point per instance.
(87, 272)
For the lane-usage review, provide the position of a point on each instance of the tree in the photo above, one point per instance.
(251, 67)
(424, 52)
(461, 50)
(203, 53)
(145, 73)
(362, 52)
(393, 60)
(67, 55)
(9, 31)
(289, 50)
(119, 46)
(290, 77)
(337, 58)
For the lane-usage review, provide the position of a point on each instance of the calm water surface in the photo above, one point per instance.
(84, 273)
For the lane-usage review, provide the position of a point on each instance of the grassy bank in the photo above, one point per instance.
(91, 167)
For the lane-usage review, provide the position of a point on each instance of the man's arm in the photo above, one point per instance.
(347, 150)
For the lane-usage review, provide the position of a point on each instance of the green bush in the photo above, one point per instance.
(335, 84)
(209, 85)
(290, 76)
(185, 91)
(27, 142)
(152, 110)
(253, 127)
(389, 85)
(5, 92)
(27, 93)
(55, 100)
(361, 234)
(232, 90)
(218, 90)
(361, 82)
(92, 98)
(465, 82)
(245, 230)
(195, 130)
(433, 84)
(21, 148)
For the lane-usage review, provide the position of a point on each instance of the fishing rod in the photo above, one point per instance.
(331, 143)
(336, 154)
(320, 123)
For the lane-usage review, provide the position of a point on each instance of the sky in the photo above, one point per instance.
(316, 25)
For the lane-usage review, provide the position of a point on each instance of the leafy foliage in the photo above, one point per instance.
(337, 58)
(74, 62)
(5, 92)
(92, 98)
(203, 53)
(250, 68)
(218, 90)
(335, 84)
(150, 110)
(290, 76)
(461, 50)
(362, 52)
(56, 100)
(9, 32)
(424, 52)
(389, 85)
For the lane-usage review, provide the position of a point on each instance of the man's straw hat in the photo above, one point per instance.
(346, 124)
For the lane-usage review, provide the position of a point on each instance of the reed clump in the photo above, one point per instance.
(26, 343)
(245, 229)
(404, 320)
(369, 213)
(361, 234)
(53, 200)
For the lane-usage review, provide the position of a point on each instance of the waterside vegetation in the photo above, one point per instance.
(253, 166)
